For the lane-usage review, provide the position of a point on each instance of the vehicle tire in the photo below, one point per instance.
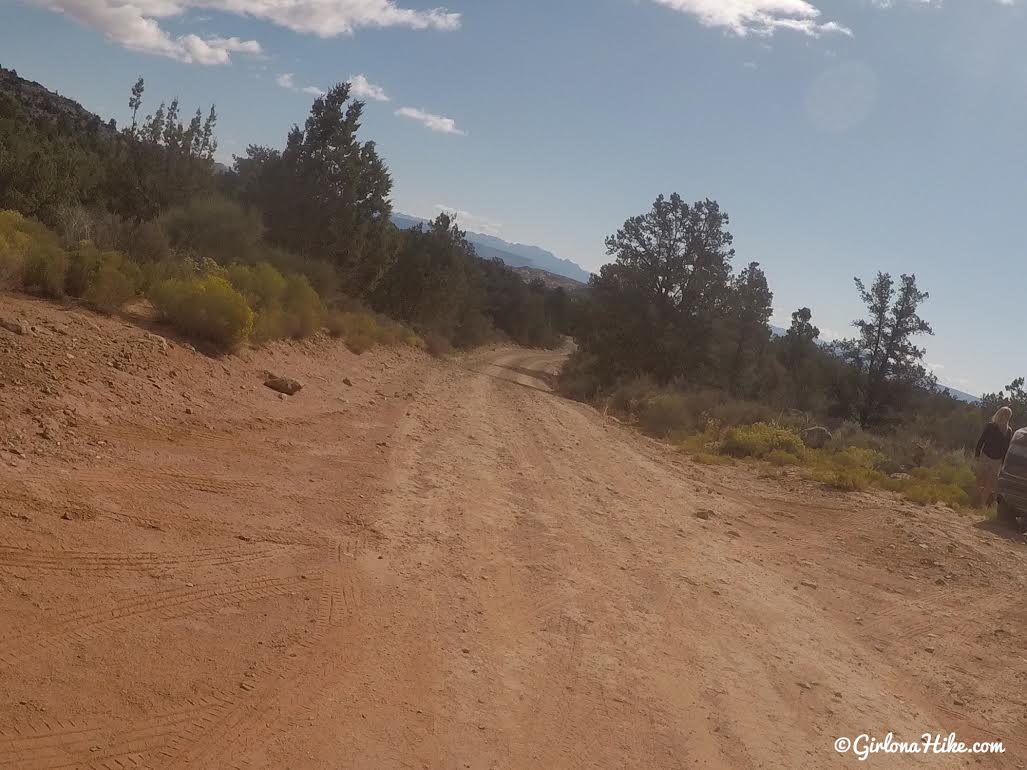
(1007, 514)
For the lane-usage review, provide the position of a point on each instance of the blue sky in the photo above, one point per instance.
(842, 136)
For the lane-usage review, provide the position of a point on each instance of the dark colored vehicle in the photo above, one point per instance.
(1012, 482)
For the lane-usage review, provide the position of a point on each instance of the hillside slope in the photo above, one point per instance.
(42, 104)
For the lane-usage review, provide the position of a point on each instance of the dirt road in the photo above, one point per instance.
(444, 565)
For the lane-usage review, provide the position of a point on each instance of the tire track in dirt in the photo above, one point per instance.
(280, 690)
(568, 692)
(246, 532)
(88, 624)
(216, 742)
(38, 560)
(101, 745)
(146, 481)
(173, 435)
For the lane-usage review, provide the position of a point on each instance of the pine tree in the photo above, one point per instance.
(886, 362)
(327, 194)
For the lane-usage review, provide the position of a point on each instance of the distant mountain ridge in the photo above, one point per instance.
(513, 254)
(552, 280)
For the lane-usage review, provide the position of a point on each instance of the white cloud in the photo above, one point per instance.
(362, 88)
(288, 81)
(470, 221)
(432, 122)
(758, 17)
(134, 23)
(765, 17)
(135, 27)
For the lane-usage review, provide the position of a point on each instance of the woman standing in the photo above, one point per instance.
(991, 452)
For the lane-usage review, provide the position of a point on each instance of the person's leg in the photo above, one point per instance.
(991, 482)
(982, 483)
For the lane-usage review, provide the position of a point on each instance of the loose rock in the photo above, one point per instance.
(15, 327)
(283, 385)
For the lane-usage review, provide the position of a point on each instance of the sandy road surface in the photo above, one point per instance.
(446, 566)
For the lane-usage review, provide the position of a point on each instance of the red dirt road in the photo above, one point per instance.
(446, 566)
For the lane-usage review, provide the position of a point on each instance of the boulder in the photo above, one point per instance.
(283, 385)
(15, 327)
(816, 438)
(155, 339)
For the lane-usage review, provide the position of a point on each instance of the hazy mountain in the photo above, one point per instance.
(960, 395)
(513, 254)
(552, 280)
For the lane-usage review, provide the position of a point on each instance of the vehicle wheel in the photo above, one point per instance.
(1006, 513)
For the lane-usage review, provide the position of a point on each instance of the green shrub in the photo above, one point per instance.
(106, 280)
(780, 457)
(950, 482)
(846, 479)
(666, 410)
(216, 227)
(262, 285)
(760, 440)
(475, 329)
(269, 324)
(205, 308)
(857, 457)
(578, 379)
(665, 414)
(116, 282)
(731, 413)
(31, 257)
(284, 306)
(44, 272)
(928, 493)
(358, 330)
(628, 397)
(302, 306)
(143, 241)
(708, 458)
(361, 330)
(322, 275)
(83, 263)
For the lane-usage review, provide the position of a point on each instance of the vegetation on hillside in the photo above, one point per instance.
(286, 243)
(671, 337)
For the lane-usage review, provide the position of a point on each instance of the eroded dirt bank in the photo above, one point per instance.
(443, 565)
